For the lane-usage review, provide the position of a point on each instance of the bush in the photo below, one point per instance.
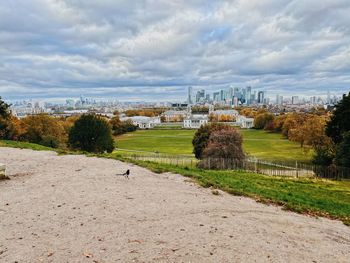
(92, 134)
(224, 150)
(201, 138)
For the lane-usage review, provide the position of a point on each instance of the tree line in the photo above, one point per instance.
(89, 132)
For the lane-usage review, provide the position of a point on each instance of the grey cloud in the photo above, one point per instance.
(126, 48)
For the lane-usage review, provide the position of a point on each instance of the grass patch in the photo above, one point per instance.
(264, 145)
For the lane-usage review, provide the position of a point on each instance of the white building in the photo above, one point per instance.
(230, 113)
(143, 122)
(174, 115)
(244, 122)
(195, 121)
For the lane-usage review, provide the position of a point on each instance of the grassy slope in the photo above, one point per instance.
(316, 197)
(264, 145)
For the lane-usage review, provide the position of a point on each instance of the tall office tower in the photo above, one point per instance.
(216, 96)
(313, 100)
(189, 95)
(328, 97)
(207, 97)
(248, 95)
(229, 94)
(200, 96)
(295, 100)
(253, 97)
(234, 101)
(278, 99)
(222, 95)
(261, 97)
(236, 93)
(244, 95)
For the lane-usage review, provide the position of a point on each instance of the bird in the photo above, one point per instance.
(126, 174)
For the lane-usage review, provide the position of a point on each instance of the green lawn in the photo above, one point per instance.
(263, 145)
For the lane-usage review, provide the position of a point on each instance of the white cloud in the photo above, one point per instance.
(159, 46)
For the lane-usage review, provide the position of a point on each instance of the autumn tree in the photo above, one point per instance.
(45, 130)
(201, 138)
(224, 149)
(91, 133)
(262, 120)
(120, 127)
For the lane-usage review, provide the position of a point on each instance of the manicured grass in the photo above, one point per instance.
(311, 196)
(261, 144)
(24, 145)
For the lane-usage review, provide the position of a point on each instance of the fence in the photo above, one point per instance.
(290, 169)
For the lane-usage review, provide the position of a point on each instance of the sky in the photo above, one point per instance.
(154, 49)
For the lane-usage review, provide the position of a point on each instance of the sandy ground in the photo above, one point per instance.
(75, 209)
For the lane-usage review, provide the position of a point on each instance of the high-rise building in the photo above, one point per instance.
(222, 95)
(248, 95)
(295, 100)
(261, 97)
(200, 96)
(216, 96)
(328, 97)
(189, 95)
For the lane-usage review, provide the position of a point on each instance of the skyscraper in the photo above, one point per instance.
(189, 95)
(248, 95)
(261, 96)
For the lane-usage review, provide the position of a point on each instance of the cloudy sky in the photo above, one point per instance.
(154, 49)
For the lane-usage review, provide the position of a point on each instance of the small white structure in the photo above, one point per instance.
(195, 121)
(143, 122)
(2, 171)
(244, 122)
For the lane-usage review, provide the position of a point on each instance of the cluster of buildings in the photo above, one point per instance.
(189, 120)
(233, 96)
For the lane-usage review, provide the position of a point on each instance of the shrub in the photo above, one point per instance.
(201, 138)
(224, 150)
(91, 133)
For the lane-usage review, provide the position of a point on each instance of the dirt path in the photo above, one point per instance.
(74, 209)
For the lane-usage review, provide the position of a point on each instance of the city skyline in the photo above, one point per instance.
(146, 50)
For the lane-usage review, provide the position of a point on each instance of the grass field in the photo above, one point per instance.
(261, 144)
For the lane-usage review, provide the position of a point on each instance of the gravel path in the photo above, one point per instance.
(74, 208)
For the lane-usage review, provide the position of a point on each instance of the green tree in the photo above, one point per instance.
(342, 157)
(201, 138)
(91, 133)
(4, 109)
(340, 120)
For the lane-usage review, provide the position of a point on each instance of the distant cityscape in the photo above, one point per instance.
(235, 97)
(232, 97)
